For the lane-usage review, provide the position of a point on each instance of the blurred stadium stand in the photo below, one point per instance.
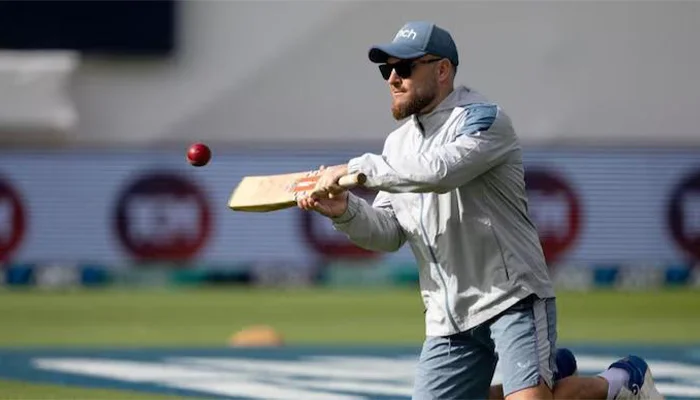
(93, 178)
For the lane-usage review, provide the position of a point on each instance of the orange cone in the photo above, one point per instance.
(256, 336)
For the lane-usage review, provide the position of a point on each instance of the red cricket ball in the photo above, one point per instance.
(198, 154)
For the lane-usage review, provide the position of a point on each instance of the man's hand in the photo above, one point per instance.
(331, 208)
(328, 198)
(327, 185)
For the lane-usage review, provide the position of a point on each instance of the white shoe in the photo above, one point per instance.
(640, 385)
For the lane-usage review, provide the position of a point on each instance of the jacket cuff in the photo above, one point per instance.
(364, 164)
(354, 165)
(350, 212)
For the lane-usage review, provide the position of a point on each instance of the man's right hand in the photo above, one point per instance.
(331, 208)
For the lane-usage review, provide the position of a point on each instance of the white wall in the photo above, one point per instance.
(567, 72)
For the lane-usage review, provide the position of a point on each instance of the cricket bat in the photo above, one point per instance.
(276, 192)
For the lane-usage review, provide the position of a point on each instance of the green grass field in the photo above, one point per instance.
(191, 318)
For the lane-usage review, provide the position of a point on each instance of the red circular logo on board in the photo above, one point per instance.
(328, 242)
(12, 219)
(162, 216)
(684, 215)
(555, 210)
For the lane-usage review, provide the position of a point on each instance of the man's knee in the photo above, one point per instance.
(539, 392)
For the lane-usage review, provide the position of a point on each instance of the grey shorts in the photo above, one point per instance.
(462, 366)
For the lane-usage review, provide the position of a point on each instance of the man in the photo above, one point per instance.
(450, 182)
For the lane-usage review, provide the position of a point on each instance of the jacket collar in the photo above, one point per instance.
(461, 96)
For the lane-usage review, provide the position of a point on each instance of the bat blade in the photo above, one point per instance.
(270, 193)
(276, 192)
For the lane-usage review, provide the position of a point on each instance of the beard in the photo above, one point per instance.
(413, 104)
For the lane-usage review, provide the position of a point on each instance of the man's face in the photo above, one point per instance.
(412, 93)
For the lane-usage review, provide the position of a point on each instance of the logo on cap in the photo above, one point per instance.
(406, 34)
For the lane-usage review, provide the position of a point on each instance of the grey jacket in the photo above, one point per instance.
(451, 184)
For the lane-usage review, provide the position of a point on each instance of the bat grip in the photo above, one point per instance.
(352, 180)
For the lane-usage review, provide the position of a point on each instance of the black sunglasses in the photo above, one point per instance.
(403, 68)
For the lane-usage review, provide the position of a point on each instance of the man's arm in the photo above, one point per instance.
(484, 139)
(373, 227)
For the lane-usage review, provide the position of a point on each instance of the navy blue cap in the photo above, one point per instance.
(416, 39)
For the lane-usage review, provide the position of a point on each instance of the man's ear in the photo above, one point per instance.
(445, 70)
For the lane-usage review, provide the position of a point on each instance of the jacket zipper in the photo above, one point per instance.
(437, 266)
(430, 250)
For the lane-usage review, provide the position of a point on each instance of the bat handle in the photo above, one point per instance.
(352, 180)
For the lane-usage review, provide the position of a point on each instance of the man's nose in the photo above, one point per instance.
(394, 78)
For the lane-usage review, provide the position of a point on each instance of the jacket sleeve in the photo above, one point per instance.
(484, 138)
(373, 227)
